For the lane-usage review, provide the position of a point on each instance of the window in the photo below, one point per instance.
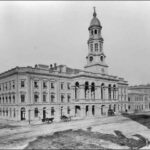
(52, 111)
(44, 84)
(96, 47)
(62, 98)
(68, 86)
(52, 98)
(22, 83)
(91, 59)
(14, 112)
(7, 112)
(62, 86)
(101, 58)
(13, 98)
(68, 98)
(95, 31)
(13, 84)
(36, 84)
(36, 97)
(91, 47)
(10, 112)
(36, 112)
(68, 110)
(52, 85)
(22, 98)
(44, 97)
(6, 100)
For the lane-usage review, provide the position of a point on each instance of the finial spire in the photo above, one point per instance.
(94, 14)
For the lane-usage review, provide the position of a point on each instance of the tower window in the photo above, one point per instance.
(91, 47)
(92, 32)
(96, 47)
(101, 58)
(91, 59)
(95, 31)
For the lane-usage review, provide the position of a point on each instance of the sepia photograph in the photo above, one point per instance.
(75, 75)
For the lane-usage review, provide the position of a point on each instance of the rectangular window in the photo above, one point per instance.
(96, 47)
(22, 83)
(36, 97)
(52, 85)
(62, 98)
(13, 98)
(68, 86)
(36, 84)
(52, 98)
(44, 97)
(52, 111)
(22, 98)
(62, 86)
(68, 98)
(91, 47)
(13, 84)
(44, 84)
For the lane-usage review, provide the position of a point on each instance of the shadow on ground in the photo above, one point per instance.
(81, 139)
(143, 119)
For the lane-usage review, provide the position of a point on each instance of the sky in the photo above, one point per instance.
(48, 32)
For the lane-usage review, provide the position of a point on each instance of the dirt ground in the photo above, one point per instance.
(118, 132)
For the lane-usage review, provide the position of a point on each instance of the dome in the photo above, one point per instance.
(95, 21)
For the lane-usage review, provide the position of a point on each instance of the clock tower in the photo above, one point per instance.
(96, 57)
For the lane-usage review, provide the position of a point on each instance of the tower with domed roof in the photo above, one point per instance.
(96, 57)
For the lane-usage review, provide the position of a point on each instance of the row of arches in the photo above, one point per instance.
(91, 88)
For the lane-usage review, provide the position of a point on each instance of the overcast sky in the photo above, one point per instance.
(57, 32)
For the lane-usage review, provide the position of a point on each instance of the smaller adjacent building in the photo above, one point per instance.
(139, 98)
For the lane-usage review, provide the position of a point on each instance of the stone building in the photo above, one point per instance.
(139, 96)
(33, 93)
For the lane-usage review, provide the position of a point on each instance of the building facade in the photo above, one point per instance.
(139, 96)
(33, 93)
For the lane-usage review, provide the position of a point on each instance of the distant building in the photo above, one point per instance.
(33, 93)
(139, 96)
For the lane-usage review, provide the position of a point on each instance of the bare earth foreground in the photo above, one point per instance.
(118, 132)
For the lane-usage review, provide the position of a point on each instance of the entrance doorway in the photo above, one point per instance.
(44, 112)
(22, 113)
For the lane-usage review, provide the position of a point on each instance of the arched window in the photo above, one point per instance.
(96, 47)
(95, 31)
(10, 112)
(109, 91)
(114, 91)
(62, 98)
(14, 112)
(101, 58)
(52, 98)
(91, 58)
(23, 111)
(68, 110)
(76, 90)
(52, 111)
(36, 112)
(93, 110)
(93, 90)
(86, 89)
(102, 91)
